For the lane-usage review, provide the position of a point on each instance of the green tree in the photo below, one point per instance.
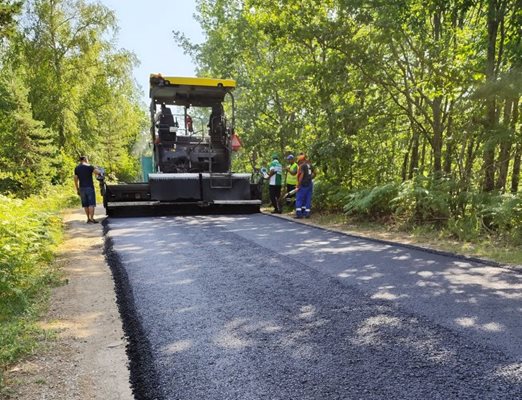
(80, 86)
(8, 12)
(28, 156)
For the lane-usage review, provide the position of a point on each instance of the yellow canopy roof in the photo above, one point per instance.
(186, 91)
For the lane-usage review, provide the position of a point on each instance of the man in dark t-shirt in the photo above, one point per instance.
(305, 187)
(85, 187)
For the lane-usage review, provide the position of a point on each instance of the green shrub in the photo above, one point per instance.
(27, 234)
(373, 203)
(502, 215)
(422, 200)
(466, 216)
(30, 229)
(329, 196)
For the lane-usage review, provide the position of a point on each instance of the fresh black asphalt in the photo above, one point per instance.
(255, 307)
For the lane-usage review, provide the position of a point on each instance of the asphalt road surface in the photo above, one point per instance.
(257, 307)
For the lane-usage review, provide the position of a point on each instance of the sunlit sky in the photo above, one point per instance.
(145, 28)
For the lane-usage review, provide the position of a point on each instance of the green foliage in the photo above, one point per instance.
(375, 203)
(8, 12)
(423, 200)
(28, 156)
(18, 337)
(375, 92)
(505, 214)
(66, 91)
(30, 229)
(127, 169)
(329, 196)
(489, 215)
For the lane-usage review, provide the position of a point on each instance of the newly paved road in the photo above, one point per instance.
(256, 307)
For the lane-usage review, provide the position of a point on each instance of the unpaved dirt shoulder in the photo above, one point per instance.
(87, 360)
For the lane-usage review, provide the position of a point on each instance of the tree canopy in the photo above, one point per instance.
(66, 91)
(420, 95)
(409, 109)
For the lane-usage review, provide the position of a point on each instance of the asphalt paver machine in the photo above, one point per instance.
(191, 159)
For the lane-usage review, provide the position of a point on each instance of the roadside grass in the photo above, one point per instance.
(490, 247)
(30, 231)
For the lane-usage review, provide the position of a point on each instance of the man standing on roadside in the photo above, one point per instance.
(85, 187)
(275, 180)
(305, 187)
(291, 178)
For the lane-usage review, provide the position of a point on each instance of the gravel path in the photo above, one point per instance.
(253, 307)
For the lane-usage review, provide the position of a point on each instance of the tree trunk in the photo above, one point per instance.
(449, 150)
(423, 156)
(505, 148)
(437, 137)
(404, 167)
(515, 176)
(468, 166)
(437, 111)
(491, 113)
(414, 159)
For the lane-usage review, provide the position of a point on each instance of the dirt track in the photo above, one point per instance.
(88, 360)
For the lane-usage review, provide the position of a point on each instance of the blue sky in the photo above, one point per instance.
(145, 28)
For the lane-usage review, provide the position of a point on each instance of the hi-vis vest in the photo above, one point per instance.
(292, 179)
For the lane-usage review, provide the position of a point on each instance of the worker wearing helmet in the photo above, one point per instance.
(275, 180)
(291, 178)
(305, 187)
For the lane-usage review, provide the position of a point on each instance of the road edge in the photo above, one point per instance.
(478, 260)
(143, 377)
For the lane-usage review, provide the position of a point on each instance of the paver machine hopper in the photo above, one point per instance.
(191, 161)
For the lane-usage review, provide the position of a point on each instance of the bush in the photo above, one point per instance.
(464, 228)
(463, 215)
(30, 229)
(372, 203)
(329, 196)
(502, 215)
(423, 200)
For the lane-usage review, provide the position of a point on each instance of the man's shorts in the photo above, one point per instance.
(88, 197)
